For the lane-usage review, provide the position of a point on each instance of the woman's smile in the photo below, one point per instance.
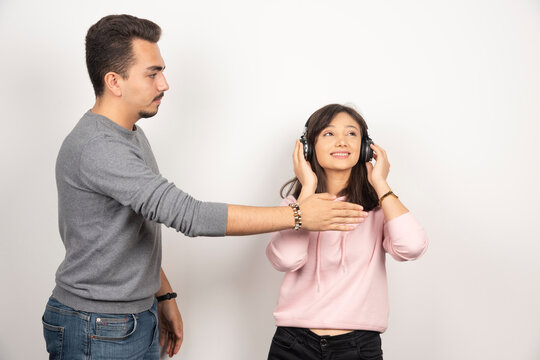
(340, 154)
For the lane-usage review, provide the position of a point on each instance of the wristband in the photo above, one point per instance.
(167, 296)
(387, 194)
(297, 216)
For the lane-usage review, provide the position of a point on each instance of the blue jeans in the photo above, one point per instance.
(78, 335)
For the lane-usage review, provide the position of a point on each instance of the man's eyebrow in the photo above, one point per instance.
(156, 68)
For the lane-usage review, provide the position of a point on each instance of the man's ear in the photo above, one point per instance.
(112, 83)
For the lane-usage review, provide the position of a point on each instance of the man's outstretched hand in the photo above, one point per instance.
(320, 213)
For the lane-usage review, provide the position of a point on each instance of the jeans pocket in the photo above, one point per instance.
(371, 348)
(284, 338)
(153, 310)
(54, 338)
(115, 328)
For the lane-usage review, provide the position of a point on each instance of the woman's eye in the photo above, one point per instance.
(328, 134)
(352, 133)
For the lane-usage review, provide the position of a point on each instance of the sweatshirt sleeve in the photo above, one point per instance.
(116, 169)
(287, 249)
(404, 238)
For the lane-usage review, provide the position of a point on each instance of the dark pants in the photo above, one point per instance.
(291, 343)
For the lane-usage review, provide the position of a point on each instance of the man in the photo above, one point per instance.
(112, 200)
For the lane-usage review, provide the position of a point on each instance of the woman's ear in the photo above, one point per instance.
(112, 83)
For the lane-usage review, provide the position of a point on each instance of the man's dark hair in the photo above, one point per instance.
(109, 46)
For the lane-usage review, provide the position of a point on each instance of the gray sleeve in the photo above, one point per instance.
(115, 168)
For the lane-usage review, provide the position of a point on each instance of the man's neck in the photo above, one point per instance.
(114, 113)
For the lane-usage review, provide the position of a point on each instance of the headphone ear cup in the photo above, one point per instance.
(309, 155)
(308, 151)
(366, 153)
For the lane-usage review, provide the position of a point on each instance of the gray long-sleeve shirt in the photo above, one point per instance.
(111, 202)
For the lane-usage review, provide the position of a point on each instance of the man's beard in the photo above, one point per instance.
(146, 114)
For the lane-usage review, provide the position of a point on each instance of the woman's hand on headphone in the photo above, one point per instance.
(302, 170)
(378, 173)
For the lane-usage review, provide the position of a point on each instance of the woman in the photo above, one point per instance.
(333, 302)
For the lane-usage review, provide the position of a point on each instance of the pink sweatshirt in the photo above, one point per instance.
(337, 280)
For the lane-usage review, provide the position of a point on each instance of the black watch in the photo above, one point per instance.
(167, 296)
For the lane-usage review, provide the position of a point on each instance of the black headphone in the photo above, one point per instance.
(366, 152)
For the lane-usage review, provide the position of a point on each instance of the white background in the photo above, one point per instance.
(450, 88)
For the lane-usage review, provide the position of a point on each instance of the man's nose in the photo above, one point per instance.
(163, 85)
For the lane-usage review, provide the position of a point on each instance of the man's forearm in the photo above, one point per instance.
(248, 220)
(318, 213)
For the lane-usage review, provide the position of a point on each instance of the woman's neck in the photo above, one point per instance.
(336, 181)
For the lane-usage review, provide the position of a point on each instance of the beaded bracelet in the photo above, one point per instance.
(297, 216)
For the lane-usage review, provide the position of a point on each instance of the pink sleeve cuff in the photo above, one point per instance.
(404, 238)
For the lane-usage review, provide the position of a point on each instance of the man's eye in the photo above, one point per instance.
(152, 76)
